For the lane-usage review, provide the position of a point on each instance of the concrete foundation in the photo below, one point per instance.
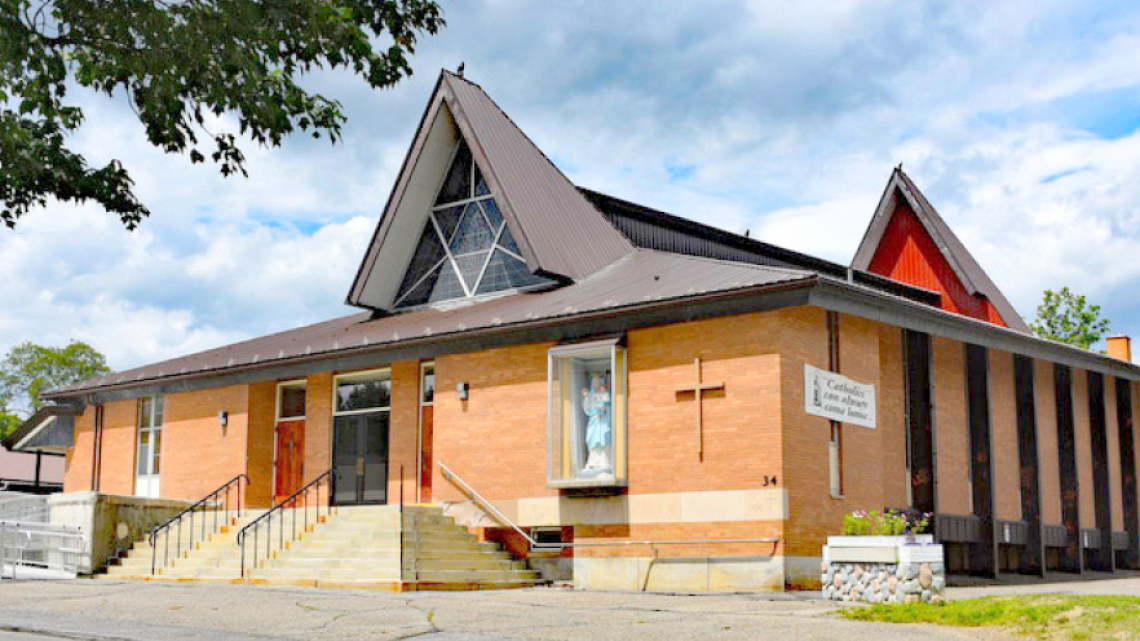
(693, 574)
(110, 524)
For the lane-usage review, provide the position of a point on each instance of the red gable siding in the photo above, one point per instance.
(907, 253)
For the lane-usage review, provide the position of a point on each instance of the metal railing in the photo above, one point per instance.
(198, 515)
(299, 500)
(24, 508)
(39, 551)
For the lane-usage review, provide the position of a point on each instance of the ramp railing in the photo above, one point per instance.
(39, 551)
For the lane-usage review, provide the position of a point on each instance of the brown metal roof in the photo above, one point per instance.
(654, 229)
(559, 232)
(567, 234)
(966, 268)
(642, 276)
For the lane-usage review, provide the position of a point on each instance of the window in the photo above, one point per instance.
(363, 392)
(466, 248)
(291, 401)
(427, 387)
(148, 457)
(587, 415)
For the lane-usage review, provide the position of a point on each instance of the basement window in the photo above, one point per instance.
(587, 415)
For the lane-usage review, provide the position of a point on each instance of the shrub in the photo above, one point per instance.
(889, 523)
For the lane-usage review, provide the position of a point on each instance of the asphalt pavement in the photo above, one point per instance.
(104, 610)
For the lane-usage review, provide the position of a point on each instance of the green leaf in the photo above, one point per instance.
(176, 61)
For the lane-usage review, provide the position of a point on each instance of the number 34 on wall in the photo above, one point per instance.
(770, 481)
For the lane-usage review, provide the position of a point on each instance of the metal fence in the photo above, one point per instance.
(39, 551)
(24, 508)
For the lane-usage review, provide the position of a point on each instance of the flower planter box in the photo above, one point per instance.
(883, 569)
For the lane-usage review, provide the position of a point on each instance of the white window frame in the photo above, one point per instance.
(470, 292)
(382, 373)
(151, 478)
(588, 349)
(301, 382)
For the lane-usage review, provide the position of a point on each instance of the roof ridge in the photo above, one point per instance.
(734, 263)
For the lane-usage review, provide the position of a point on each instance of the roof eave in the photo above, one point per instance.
(892, 310)
(635, 308)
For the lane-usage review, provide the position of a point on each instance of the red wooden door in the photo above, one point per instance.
(290, 458)
(425, 454)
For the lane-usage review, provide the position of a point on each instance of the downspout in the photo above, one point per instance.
(97, 448)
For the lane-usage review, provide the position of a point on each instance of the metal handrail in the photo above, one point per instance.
(212, 500)
(537, 545)
(327, 479)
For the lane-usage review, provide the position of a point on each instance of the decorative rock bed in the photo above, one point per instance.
(883, 569)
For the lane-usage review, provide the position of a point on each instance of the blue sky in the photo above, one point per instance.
(1018, 119)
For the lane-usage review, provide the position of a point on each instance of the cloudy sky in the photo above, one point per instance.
(1017, 119)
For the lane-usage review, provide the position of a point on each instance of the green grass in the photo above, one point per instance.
(1046, 616)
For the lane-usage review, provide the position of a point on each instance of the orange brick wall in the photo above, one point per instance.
(1084, 447)
(814, 513)
(260, 443)
(120, 433)
(403, 430)
(497, 439)
(77, 473)
(1045, 398)
(198, 455)
(1003, 428)
(318, 424)
(952, 468)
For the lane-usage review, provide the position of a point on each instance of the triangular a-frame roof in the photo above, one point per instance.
(971, 275)
(560, 234)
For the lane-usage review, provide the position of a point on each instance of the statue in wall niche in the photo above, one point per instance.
(596, 403)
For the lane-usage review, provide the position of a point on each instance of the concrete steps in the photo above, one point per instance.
(353, 547)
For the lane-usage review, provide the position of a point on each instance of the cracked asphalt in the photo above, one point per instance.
(86, 609)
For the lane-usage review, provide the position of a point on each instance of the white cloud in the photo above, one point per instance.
(781, 116)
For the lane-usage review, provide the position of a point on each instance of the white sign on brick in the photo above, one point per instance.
(838, 398)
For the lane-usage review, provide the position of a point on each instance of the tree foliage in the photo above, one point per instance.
(29, 370)
(1066, 317)
(179, 62)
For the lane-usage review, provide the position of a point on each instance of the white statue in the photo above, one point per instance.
(596, 404)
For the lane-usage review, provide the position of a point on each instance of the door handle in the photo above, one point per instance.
(360, 466)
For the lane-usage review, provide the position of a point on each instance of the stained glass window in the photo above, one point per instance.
(466, 248)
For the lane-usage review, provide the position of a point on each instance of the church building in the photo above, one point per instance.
(661, 404)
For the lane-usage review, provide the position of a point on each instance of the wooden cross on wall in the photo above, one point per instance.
(698, 391)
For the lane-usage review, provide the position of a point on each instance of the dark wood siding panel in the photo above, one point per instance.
(1071, 558)
(1033, 560)
(920, 424)
(1127, 443)
(1102, 557)
(983, 554)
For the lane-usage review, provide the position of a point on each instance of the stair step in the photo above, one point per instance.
(338, 574)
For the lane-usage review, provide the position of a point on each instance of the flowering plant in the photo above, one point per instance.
(889, 523)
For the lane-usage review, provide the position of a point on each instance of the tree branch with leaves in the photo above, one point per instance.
(29, 370)
(1066, 317)
(178, 63)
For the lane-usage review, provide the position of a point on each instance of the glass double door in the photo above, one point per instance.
(360, 456)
